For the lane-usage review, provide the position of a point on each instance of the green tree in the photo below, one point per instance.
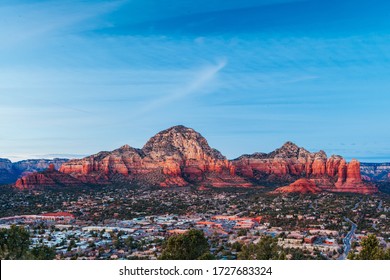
(266, 249)
(236, 246)
(72, 244)
(130, 243)
(14, 243)
(43, 253)
(370, 250)
(207, 256)
(191, 245)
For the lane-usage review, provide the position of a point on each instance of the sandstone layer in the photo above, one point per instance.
(177, 156)
(180, 156)
(290, 163)
(47, 178)
(10, 172)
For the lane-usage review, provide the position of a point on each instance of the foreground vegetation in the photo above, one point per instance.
(15, 245)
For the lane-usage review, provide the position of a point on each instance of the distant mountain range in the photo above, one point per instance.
(10, 172)
(180, 156)
(376, 172)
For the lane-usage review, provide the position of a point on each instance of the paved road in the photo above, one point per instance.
(347, 241)
(357, 204)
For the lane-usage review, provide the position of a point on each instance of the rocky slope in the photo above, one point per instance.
(300, 186)
(34, 165)
(375, 171)
(7, 174)
(177, 156)
(48, 178)
(290, 163)
(180, 156)
(10, 172)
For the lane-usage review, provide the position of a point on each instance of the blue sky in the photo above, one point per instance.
(78, 77)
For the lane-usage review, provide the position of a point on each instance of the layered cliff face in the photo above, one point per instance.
(100, 167)
(182, 151)
(375, 172)
(286, 163)
(290, 163)
(177, 156)
(10, 172)
(48, 178)
(34, 165)
(180, 156)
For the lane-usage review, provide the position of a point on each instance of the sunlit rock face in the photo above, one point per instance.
(180, 156)
(11, 171)
(300, 186)
(177, 156)
(47, 178)
(290, 163)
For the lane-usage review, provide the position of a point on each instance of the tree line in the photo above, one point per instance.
(15, 245)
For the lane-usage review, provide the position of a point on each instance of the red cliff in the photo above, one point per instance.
(300, 186)
(48, 178)
(177, 156)
(290, 163)
(347, 179)
(180, 156)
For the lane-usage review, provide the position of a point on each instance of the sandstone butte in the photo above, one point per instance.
(180, 156)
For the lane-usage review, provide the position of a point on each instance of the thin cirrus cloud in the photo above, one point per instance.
(106, 73)
(26, 21)
(200, 80)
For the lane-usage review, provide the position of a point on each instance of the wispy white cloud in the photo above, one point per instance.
(57, 79)
(201, 79)
(34, 21)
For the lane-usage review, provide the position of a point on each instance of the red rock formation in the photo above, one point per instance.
(326, 184)
(173, 157)
(48, 178)
(175, 181)
(348, 180)
(332, 165)
(225, 180)
(180, 156)
(34, 180)
(51, 167)
(288, 162)
(300, 186)
(187, 149)
(353, 172)
(319, 164)
(10, 172)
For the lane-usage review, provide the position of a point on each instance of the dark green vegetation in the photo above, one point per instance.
(279, 214)
(384, 187)
(266, 249)
(371, 250)
(124, 203)
(192, 245)
(15, 245)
